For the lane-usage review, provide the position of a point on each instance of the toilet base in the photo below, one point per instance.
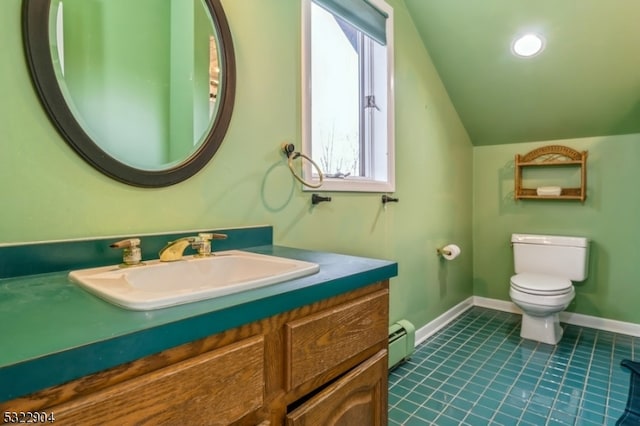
(544, 329)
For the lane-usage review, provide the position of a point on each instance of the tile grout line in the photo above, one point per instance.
(476, 370)
(477, 319)
(564, 376)
(487, 359)
(546, 366)
(504, 398)
(586, 378)
(566, 372)
(426, 343)
(440, 363)
(611, 359)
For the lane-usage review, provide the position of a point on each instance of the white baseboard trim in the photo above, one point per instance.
(605, 324)
(498, 305)
(423, 333)
(572, 318)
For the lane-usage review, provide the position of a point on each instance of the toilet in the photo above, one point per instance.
(546, 266)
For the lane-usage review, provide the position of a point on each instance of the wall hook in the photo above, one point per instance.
(317, 199)
(386, 199)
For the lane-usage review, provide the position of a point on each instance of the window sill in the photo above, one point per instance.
(351, 185)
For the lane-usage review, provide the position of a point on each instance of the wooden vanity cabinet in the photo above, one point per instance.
(320, 364)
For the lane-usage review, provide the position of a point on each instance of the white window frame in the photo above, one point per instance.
(350, 184)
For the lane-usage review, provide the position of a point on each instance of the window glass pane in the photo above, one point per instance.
(335, 94)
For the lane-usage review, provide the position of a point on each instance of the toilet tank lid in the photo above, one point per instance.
(556, 240)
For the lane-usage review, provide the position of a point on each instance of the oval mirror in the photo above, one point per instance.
(143, 90)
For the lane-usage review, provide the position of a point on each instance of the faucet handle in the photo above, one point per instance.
(202, 243)
(211, 236)
(131, 255)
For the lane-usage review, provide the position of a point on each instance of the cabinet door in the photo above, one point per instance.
(215, 388)
(317, 343)
(358, 398)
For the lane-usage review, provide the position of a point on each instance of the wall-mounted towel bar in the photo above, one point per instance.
(387, 199)
(317, 199)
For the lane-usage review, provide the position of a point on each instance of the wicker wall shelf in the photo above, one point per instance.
(550, 156)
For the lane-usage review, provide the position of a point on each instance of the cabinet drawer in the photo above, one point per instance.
(357, 398)
(318, 343)
(216, 387)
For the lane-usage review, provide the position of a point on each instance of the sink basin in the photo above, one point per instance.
(161, 284)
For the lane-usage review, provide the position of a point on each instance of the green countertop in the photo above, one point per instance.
(53, 331)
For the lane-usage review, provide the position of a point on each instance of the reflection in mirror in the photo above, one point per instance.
(146, 85)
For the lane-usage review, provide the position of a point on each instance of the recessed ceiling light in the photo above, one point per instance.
(527, 45)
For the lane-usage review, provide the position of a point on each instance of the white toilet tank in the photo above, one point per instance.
(565, 257)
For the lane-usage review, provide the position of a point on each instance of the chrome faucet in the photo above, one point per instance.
(202, 243)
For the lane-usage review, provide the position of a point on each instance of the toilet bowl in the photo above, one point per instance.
(541, 298)
(542, 287)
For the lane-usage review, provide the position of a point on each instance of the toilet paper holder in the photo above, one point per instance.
(449, 252)
(442, 251)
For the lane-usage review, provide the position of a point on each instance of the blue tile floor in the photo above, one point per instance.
(478, 371)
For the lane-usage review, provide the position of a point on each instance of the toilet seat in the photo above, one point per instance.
(540, 284)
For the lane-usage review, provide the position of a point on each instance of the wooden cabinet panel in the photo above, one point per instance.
(217, 387)
(324, 353)
(358, 398)
(317, 343)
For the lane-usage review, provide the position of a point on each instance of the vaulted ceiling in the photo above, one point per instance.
(585, 82)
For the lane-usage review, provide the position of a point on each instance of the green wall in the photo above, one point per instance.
(609, 217)
(49, 193)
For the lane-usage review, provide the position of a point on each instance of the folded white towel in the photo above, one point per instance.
(549, 190)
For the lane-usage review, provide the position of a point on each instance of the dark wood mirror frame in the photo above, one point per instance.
(35, 25)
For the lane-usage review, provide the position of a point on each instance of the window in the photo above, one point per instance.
(347, 75)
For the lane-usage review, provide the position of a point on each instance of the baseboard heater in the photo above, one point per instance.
(402, 337)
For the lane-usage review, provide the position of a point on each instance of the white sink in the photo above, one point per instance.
(161, 284)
